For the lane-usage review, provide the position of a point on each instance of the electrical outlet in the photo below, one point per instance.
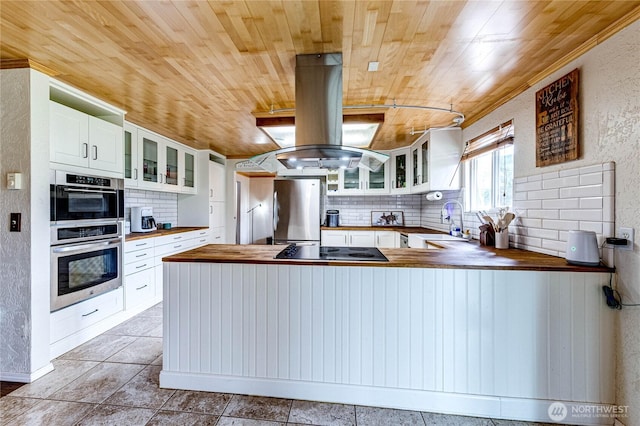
(628, 234)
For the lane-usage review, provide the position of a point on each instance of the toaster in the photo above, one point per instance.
(582, 248)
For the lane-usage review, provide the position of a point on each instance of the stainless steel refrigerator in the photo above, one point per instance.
(296, 211)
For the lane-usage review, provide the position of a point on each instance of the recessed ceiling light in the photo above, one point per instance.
(373, 66)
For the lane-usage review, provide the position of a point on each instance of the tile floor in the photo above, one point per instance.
(113, 380)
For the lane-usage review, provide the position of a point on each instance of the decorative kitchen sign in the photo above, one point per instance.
(557, 121)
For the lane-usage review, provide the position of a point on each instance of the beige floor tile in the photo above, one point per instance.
(48, 412)
(322, 413)
(154, 311)
(99, 348)
(65, 371)
(198, 402)
(99, 383)
(172, 418)
(451, 420)
(157, 361)
(233, 421)
(136, 326)
(142, 391)
(144, 350)
(11, 407)
(114, 415)
(258, 408)
(375, 416)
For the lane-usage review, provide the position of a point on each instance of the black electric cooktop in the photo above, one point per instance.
(360, 254)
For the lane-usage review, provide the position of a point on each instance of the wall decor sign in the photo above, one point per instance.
(557, 121)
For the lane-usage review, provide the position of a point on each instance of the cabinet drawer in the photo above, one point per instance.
(172, 238)
(136, 256)
(76, 317)
(139, 288)
(141, 265)
(217, 236)
(134, 245)
(173, 248)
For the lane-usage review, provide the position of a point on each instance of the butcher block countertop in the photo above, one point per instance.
(452, 255)
(160, 232)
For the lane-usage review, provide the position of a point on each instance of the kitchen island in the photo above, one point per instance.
(462, 329)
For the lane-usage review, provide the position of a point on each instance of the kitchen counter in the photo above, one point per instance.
(463, 329)
(160, 232)
(451, 255)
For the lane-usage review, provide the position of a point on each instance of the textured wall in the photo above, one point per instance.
(15, 290)
(609, 131)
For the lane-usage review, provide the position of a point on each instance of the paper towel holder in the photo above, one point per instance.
(434, 196)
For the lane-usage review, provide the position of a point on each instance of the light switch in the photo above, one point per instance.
(14, 180)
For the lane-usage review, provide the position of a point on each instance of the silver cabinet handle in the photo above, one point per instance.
(142, 255)
(210, 209)
(210, 192)
(135, 174)
(178, 246)
(141, 266)
(179, 237)
(95, 152)
(141, 245)
(140, 288)
(85, 150)
(90, 313)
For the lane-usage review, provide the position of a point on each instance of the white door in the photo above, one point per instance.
(106, 146)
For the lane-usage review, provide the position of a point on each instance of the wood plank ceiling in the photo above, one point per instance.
(200, 72)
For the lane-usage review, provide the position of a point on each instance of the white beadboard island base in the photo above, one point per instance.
(491, 343)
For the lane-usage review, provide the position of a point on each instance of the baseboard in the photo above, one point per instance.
(26, 377)
(497, 407)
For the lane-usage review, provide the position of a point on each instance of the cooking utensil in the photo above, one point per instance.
(507, 219)
(479, 216)
(490, 220)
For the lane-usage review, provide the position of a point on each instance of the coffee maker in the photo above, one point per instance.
(142, 219)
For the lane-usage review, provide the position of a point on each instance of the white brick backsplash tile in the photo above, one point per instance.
(550, 234)
(591, 203)
(591, 169)
(528, 186)
(527, 241)
(550, 175)
(581, 214)
(520, 180)
(581, 191)
(545, 194)
(591, 178)
(534, 178)
(559, 224)
(520, 196)
(525, 221)
(561, 203)
(561, 182)
(569, 172)
(564, 235)
(558, 246)
(591, 226)
(527, 204)
(543, 214)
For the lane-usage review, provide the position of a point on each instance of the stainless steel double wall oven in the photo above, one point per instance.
(87, 214)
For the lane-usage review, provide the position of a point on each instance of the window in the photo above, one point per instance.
(488, 169)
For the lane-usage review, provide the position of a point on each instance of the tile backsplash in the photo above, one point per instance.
(549, 205)
(356, 210)
(165, 204)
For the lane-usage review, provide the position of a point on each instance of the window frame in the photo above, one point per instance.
(492, 142)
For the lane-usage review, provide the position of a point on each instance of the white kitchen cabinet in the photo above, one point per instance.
(387, 239)
(81, 140)
(360, 181)
(434, 160)
(188, 180)
(216, 181)
(140, 288)
(131, 171)
(335, 238)
(399, 171)
(344, 238)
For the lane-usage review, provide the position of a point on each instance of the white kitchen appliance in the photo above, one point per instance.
(142, 219)
(582, 248)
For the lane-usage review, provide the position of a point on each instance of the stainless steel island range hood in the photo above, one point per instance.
(318, 119)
